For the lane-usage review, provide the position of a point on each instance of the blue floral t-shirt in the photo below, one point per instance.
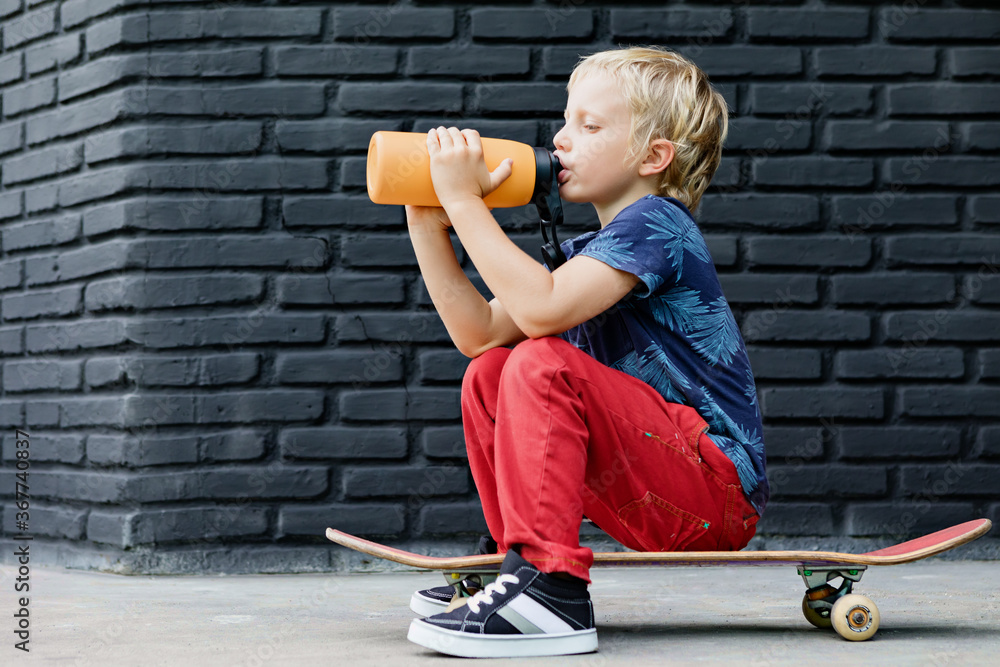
(675, 330)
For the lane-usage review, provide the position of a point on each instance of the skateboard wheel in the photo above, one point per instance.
(855, 617)
(815, 616)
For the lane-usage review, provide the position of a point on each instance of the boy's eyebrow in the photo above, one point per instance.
(584, 112)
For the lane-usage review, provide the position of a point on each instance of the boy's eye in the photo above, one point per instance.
(590, 127)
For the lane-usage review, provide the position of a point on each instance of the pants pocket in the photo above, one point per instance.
(658, 525)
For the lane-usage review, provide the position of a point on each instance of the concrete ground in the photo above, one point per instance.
(934, 612)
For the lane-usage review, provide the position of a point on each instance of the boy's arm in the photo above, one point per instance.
(473, 324)
(540, 303)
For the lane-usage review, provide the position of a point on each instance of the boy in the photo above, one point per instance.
(628, 396)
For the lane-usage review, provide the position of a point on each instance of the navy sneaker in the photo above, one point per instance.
(435, 600)
(523, 613)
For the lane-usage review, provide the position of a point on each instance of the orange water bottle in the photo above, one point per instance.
(399, 170)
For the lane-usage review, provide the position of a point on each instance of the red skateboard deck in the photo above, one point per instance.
(853, 616)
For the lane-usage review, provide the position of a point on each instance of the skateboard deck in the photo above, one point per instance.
(853, 616)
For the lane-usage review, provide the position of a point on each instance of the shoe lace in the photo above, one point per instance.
(485, 596)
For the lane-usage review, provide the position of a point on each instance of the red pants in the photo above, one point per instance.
(554, 434)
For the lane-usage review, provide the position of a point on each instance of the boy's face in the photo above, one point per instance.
(592, 144)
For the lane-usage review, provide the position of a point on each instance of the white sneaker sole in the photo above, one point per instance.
(468, 645)
(426, 607)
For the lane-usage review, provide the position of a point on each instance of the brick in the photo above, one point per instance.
(984, 208)
(814, 171)
(394, 327)
(209, 139)
(231, 331)
(11, 68)
(441, 366)
(235, 23)
(451, 519)
(563, 22)
(784, 363)
(232, 62)
(903, 23)
(72, 336)
(52, 53)
(989, 364)
(378, 250)
(811, 250)
(760, 137)
(941, 99)
(508, 97)
(205, 370)
(783, 324)
(260, 99)
(951, 249)
(85, 115)
(874, 61)
(75, 12)
(353, 518)
(988, 442)
(60, 302)
(759, 209)
(956, 172)
(801, 101)
(11, 205)
(128, 30)
(443, 442)
(898, 520)
(195, 523)
(11, 137)
(701, 26)
(339, 211)
(172, 214)
(53, 448)
(774, 289)
(340, 289)
(977, 61)
(828, 401)
(892, 288)
(795, 444)
(945, 401)
(916, 327)
(343, 443)
(894, 443)
(334, 60)
(983, 287)
(417, 483)
(358, 367)
(397, 404)
(738, 61)
(796, 519)
(120, 450)
(375, 97)
(29, 96)
(41, 234)
(981, 136)
(329, 134)
(261, 482)
(52, 161)
(723, 249)
(393, 21)
(807, 24)
(233, 251)
(892, 208)
(65, 523)
(956, 479)
(100, 487)
(857, 136)
(28, 27)
(827, 480)
(100, 73)
(11, 275)
(481, 62)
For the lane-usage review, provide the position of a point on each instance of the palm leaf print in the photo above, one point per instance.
(629, 364)
(679, 237)
(738, 455)
(750, 391)
(610, 249)
(720, 337)
(714, 415)
(653, 280)
(678, 308)
(658, 371)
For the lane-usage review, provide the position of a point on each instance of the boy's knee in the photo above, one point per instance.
(536, 353)
(487, 365)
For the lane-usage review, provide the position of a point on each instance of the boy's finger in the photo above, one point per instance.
(456, 136)
(444, 137)
(472, 138)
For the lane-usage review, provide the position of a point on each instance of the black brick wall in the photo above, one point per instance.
(220, 347)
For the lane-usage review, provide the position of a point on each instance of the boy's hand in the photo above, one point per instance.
(458, 170)
(426, 218)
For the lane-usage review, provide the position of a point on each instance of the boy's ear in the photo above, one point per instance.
(658, 157)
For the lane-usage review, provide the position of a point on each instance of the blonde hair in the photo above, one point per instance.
(669, 97)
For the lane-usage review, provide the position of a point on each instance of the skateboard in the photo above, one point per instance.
(825, 605)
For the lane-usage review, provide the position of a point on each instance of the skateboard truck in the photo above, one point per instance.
(854, 617)
(549, 205)
(479, 579)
